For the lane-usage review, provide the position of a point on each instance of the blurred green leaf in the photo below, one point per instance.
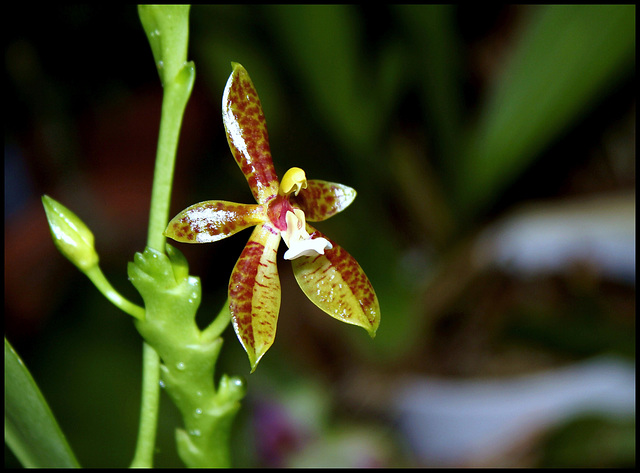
(567, 58)
(436, 60)
(323, 44)
(592, 441)
(30, 429)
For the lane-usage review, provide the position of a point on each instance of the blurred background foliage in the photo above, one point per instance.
(445, 119)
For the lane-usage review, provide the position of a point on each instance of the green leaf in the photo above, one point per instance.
(30, 429)
(568, 58)
(436, 59)
(321, 42)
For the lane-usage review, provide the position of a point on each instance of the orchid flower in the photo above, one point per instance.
(329, 276)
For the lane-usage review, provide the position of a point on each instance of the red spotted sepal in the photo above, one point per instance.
(247, 134)
(322, 199)
(213, 220)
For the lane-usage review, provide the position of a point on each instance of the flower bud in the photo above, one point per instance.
(72, 237)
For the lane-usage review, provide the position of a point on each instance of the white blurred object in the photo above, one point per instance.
(541, 238)
(460, 422)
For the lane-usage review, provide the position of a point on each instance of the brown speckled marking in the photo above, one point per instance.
(213, 220)
(254, 292)
(336, 283)
(322, 199)
(247, 134)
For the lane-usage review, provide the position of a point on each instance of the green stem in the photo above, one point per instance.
(177, 90)
(98, 278)
(170, 123)
(143, 457)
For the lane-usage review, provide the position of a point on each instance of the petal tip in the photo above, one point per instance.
(254, 359)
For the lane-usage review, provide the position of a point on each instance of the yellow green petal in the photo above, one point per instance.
(322, 199)
(213, 220)
(336, 283)
(254, 293)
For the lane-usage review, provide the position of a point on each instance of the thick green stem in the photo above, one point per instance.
(188, 356)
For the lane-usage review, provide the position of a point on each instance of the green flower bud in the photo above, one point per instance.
(72, 237)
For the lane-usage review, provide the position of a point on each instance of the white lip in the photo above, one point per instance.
(309, 247)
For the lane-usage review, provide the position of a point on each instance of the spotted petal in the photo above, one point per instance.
(254, 293)
(322, 199)
(213, 220)
(336, 283)
(247, 134)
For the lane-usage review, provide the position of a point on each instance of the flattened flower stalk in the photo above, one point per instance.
(330, 277)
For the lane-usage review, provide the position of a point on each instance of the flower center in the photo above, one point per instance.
(295, 234)
(298, 240)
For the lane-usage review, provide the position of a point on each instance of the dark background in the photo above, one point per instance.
(446, 120)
